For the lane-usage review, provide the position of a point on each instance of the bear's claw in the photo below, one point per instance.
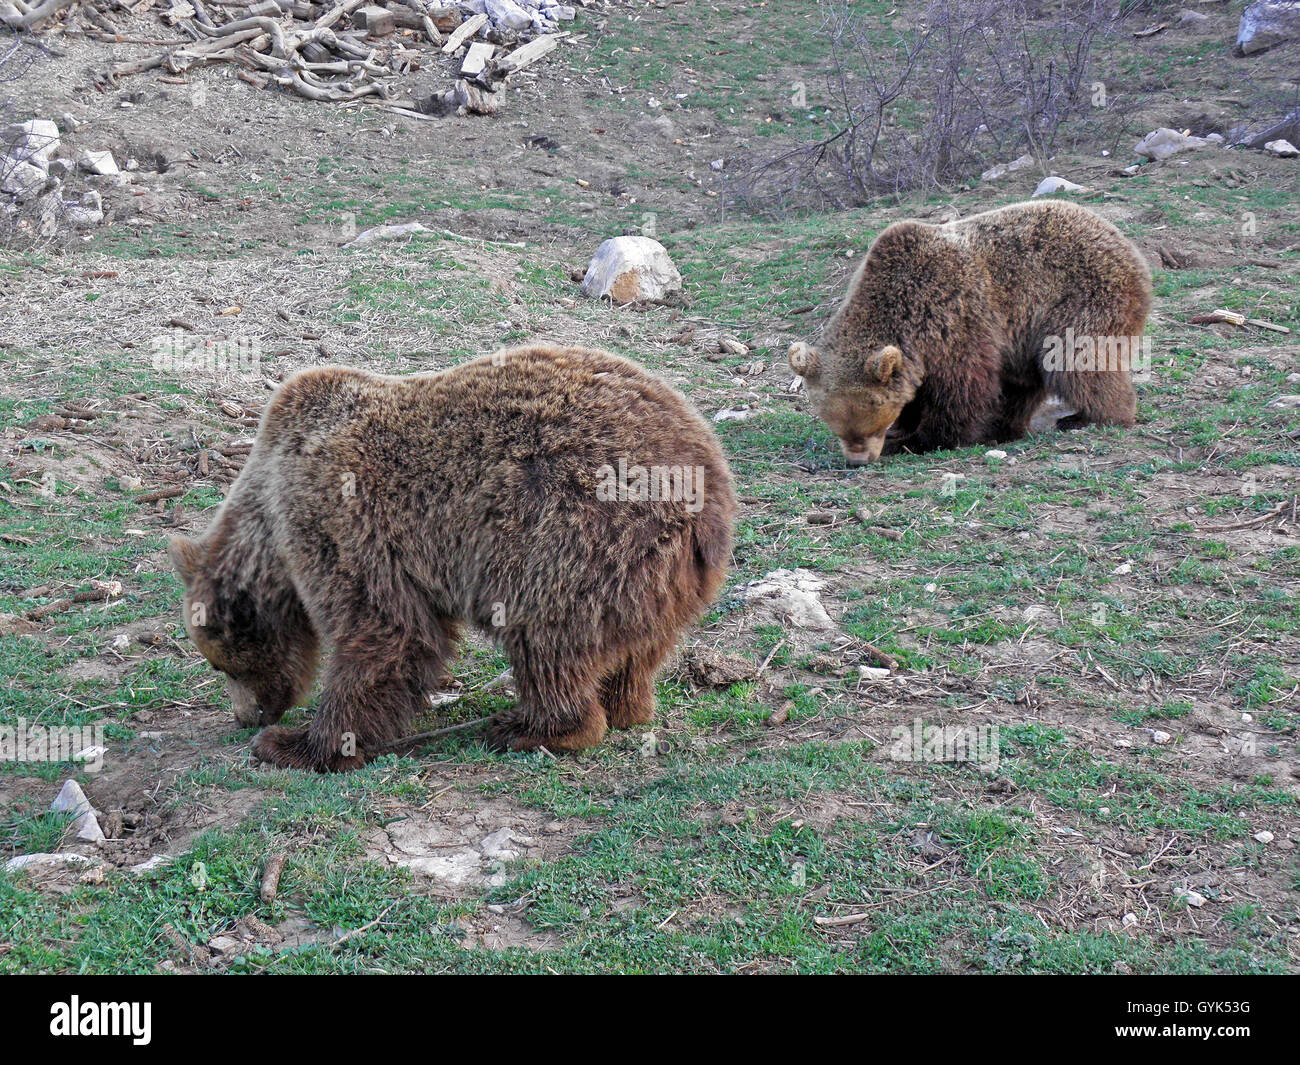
(292, 749)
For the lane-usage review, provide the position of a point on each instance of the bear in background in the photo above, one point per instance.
(952, 335)
(562, 500)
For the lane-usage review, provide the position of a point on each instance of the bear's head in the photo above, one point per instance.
(858, 403)
(262, 642)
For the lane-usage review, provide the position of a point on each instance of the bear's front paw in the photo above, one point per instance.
(503, 733)
(511, 730)
(293, 749)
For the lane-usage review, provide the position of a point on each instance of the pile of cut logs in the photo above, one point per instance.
(338, 50)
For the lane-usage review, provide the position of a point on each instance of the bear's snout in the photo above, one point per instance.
(863, 452)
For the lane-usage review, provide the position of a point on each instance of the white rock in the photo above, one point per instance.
(1185, 16)
(33, 142)
(733, 414)
(1285, 402)
(1049, 186)
(1293, 378)
(1160, 736)
(499, 845)
(72, 800)
(507, 13)
(88, 211)
(1122, 569)
(629, 269)
(1282, 149)
(23, 180)
(1003, 169)
(386, 232)
(1267, 24)
(1264, 836)
(996, 454)
(873, 673)
(1192, 898)
(1129, 920)
(790, 597)
(149, 865)
(46, 861)
(101, 163)
(1163, 142)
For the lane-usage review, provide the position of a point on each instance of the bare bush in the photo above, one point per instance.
(929, 104)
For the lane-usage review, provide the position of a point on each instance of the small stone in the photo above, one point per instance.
(871, 673)
(23, 180)
(733, 414)
(1264, 836)
(1161, 737)
(72, 800)
(33, 142)
(732, 346)
(1283, 149)
(1193, 898)
(101, 163)
(996, 454)
(1129, 920)
(44, 861)
(1007, 168)
(1050, 186)
(498, 845)
(1122, 569)
(1163, 142)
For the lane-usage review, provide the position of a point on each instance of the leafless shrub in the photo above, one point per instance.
(929, 104)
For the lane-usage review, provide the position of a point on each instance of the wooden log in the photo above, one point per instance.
(529, 54)
(337, 12)
(463, 32)
(34, 17)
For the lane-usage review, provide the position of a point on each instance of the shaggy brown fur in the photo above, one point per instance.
(376, 513)
(941, 339)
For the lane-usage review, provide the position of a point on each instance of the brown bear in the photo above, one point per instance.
(562, 500)
(953, 334)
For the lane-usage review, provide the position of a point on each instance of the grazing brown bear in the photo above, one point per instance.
(562, 500)
(952, 335)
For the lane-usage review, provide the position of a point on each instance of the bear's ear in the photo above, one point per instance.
(884, 364)
(186, 556)
(803, 359)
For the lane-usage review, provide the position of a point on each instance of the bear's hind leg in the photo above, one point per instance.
(1102, 391)
(1103, 398)
(1018, 406)
(628, 693)
(559, 704)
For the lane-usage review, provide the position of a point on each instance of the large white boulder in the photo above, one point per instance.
(630, 269)
(1267, 24)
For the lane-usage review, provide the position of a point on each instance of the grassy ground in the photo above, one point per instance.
(1097, 596)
